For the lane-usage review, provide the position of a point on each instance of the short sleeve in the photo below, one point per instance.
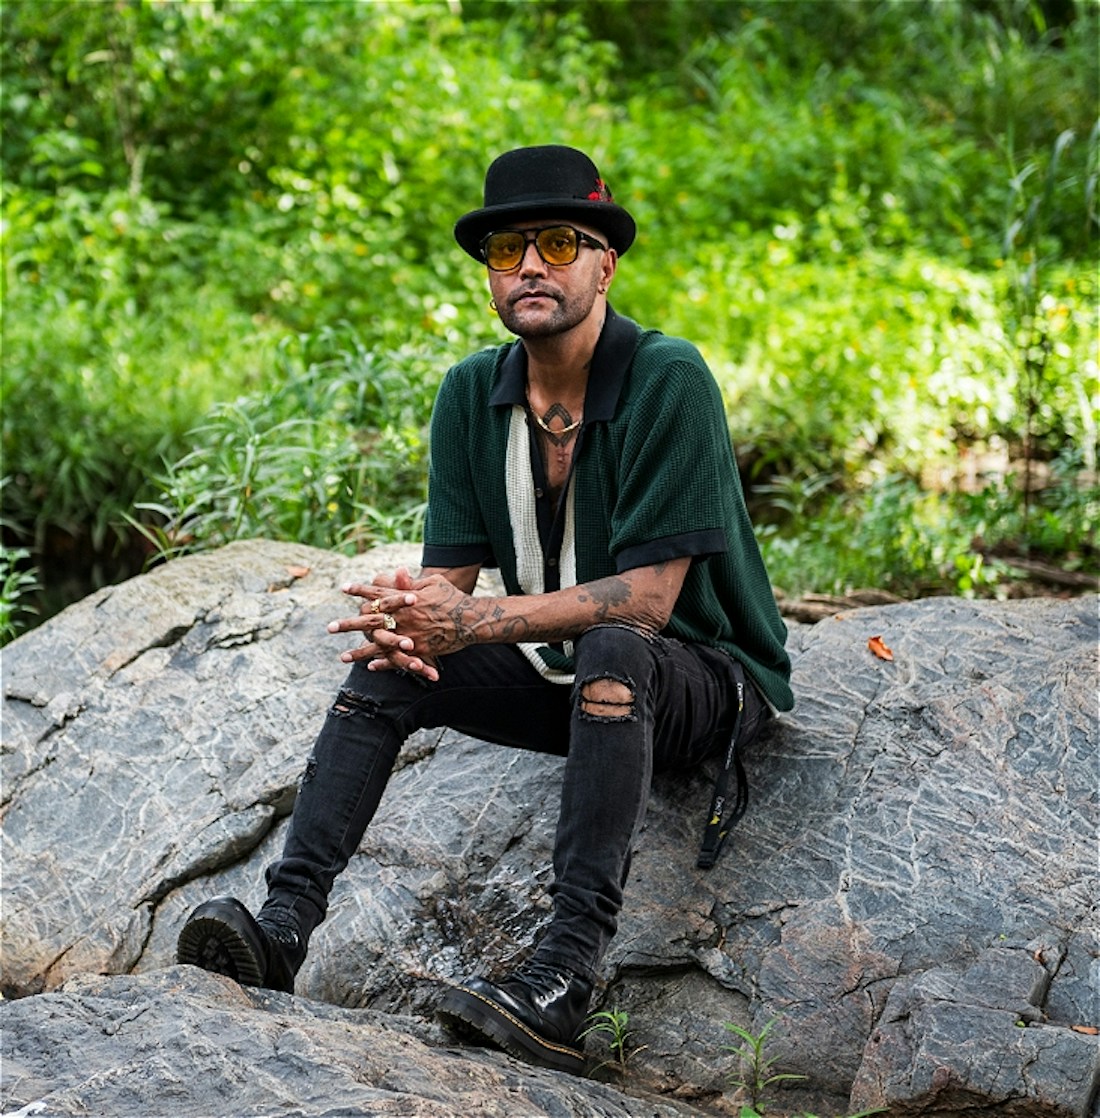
(455, 533)
(676, 470)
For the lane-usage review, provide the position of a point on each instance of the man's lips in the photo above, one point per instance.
(524, 296)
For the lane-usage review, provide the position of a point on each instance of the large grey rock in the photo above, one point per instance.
(954, 1043)
(912, 893)
(181, 1044)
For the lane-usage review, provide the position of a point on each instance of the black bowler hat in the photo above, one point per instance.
(553, 180)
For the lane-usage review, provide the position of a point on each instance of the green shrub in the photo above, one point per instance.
(897, 535)
(112, 349)
(333, 453)
(17, 584)
(866, 216)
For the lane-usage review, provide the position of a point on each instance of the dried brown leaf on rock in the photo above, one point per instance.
(293, 573)
(878, 647)
(1088, 1030)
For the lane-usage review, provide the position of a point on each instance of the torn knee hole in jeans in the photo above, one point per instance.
(607, 699)
(351, 702)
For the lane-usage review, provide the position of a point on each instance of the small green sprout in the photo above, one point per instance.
(612, 1023)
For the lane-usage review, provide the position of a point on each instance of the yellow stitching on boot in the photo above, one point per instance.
(516, 1021)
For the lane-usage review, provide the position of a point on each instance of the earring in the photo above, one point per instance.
(492, 306)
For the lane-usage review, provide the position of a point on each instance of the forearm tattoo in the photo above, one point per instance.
(471, 617)
(471, 614)
(462, 619)
(606, 594)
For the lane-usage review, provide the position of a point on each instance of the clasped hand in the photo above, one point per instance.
(422, 629)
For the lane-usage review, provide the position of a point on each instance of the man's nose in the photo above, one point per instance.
(531, 264)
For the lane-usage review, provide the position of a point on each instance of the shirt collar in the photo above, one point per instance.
(610, 362)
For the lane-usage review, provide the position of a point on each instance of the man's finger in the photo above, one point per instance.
(367, 622)
(382, 643)
(365, 590)
(364, 624)
(412, 664)
(393, 603)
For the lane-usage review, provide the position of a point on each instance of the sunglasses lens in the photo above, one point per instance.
(504, 251)
(557, 245)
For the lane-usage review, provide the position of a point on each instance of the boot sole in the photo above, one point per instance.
(214, 944)
(467, 1010)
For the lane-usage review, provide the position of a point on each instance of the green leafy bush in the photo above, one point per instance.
(333, 453)
(17, 583)
(868, 217)
(899, 536)
(113, 345)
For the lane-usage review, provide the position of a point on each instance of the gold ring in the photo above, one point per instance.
(389, 621)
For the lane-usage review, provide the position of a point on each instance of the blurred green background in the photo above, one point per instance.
(231, 289)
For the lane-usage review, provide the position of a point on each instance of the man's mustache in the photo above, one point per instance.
(527, 292)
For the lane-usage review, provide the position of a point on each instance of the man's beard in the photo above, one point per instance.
(569, 311)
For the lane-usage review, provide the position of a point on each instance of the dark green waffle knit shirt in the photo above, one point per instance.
(653, 479)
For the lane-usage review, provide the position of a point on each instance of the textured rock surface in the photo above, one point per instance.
(187, 1045)
(912, 893)
(954, 1043)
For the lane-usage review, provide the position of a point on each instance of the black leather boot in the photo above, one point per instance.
(534, 1014)
(222, 936)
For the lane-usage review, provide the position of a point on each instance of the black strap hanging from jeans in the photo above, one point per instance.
(723, 816)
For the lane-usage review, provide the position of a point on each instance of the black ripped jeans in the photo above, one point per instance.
(678, 705)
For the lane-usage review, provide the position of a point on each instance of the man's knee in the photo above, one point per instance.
(378, 697)
(614, 664)
(607, 699)
(616, 649)
(351, 704)
(376, 694)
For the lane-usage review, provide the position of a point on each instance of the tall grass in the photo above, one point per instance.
(333, 453)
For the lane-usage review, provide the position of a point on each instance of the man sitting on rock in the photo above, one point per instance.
(591, 462)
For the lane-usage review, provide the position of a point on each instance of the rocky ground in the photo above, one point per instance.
(909, 897)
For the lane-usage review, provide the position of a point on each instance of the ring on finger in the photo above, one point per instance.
(389, 622)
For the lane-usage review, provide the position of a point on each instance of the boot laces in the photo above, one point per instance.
(543, 978)
(283, 934)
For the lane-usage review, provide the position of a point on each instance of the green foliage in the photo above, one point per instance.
(755, 1076)
(870, 217)
(333, 453)
(918, 108)
(17, 583)
(111, 351)
(612, 1024)
(1041, 324)
(897, 535)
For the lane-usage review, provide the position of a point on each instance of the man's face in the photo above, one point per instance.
(540, 300)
